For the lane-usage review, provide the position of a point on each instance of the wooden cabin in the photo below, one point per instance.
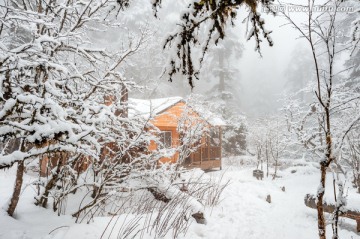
(166, 114)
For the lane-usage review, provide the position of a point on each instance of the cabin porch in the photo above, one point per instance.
(208, 155)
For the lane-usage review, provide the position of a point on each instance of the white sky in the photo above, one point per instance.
(265, 76)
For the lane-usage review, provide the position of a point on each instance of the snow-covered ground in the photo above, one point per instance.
(243, 212)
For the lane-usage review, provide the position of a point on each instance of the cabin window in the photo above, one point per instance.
(165, 138)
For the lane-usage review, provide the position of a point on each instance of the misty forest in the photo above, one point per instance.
(219, 119)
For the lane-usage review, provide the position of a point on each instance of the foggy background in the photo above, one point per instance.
(260, 81)
(254, 83)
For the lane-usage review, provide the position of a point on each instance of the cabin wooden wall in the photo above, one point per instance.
(49, 161)
(169, 118)
(168, 121)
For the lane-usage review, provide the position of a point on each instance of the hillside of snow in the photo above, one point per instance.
(242, 213)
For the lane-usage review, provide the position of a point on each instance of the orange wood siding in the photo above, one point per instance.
(168, 121)
(169, 118)
(174, 144)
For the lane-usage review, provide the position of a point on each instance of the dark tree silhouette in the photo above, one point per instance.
(213, 17)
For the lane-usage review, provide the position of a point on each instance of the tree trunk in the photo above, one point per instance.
(61, 158)
(221, 79)
(221, 74)
(124, 101)
(323, 167)
(320, 206)
(17, 189)
(267, 160)
(276, 167)
(338, 206)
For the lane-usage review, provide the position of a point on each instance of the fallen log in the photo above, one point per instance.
(158, 195)
(161, 196)
(310, 201)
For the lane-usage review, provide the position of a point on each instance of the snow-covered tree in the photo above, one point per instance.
(54, 81)
(203, 23)
(220, 71)
(268, 140)
(350, 29)
(256, 141)
(234, 135)
(350, 158)
(192, 128)
(322, 128)
(297, 72)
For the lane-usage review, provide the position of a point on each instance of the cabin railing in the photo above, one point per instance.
(210, 153)
(206, 153)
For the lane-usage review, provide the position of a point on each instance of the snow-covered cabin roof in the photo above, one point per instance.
(210, 117)
(216, 121)
(150, 108)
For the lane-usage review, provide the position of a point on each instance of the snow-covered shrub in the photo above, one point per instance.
(192, 128)
(350, 158)
(163, 205)
(54, 83)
